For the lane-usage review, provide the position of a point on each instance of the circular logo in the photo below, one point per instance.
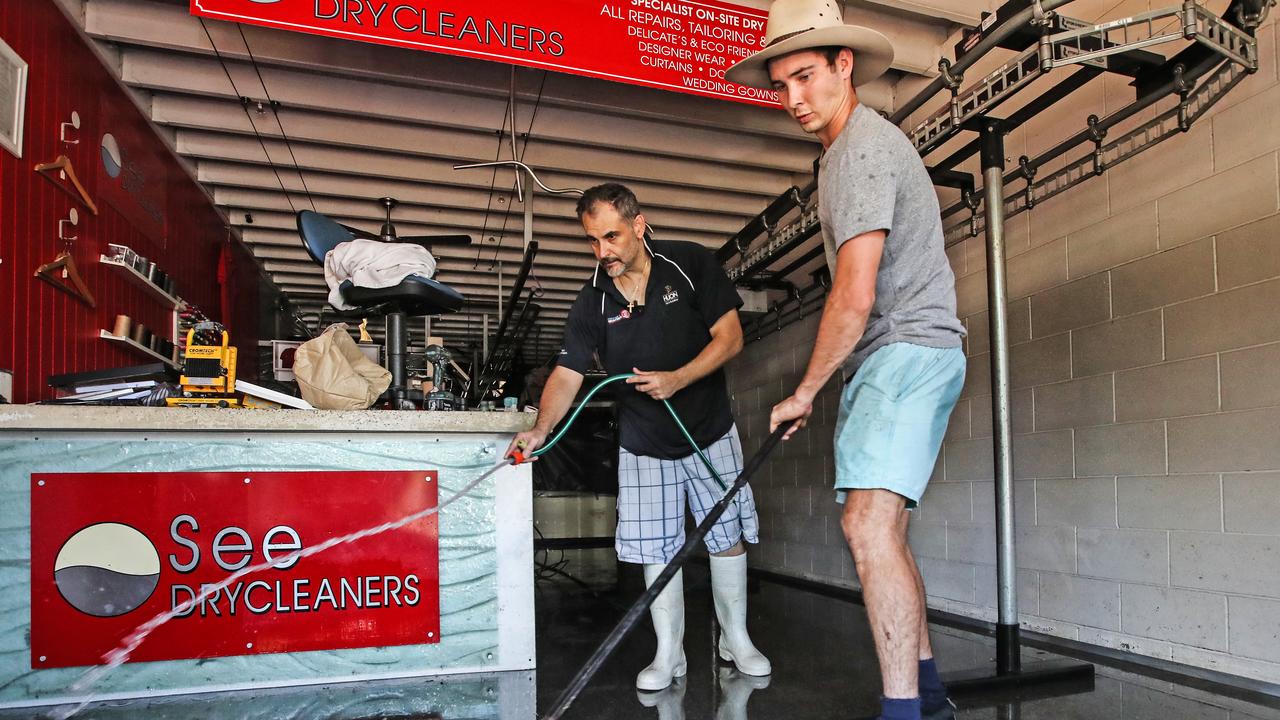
(107, 569)
(112, 160)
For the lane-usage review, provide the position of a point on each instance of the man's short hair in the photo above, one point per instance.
(831, 52)
(618, 196)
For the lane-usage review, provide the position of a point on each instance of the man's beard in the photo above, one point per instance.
(614, 269)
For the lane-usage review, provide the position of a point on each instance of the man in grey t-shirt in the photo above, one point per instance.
(871, 179)
(889, 319)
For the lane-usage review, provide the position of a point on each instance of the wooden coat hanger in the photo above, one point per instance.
(65, 263)
(76, 288)
(63, 163)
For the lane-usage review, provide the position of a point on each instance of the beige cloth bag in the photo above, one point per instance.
(333, 374)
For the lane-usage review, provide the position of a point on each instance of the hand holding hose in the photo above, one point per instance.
(657, 384)
(523, 445)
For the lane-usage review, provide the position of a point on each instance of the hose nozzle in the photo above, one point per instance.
(519, 456)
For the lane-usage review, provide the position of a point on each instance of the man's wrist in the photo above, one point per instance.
(805, 393)
(682, 377)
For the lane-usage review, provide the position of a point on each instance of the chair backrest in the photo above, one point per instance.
(320, 234)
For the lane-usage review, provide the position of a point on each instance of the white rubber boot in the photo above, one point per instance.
(667, 612)
(729, 588)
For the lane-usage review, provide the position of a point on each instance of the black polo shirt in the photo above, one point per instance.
(687, 293)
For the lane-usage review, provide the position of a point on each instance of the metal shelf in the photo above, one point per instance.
(137, 347)
(139, 279)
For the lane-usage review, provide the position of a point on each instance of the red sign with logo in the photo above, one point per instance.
(111, 551)
(678, 45)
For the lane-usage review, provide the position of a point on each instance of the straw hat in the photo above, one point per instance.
(808, 24)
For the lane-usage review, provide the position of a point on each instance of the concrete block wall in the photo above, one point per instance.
(1144, 308)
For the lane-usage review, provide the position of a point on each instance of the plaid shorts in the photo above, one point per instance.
(651, 502)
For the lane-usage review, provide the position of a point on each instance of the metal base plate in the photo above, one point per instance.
(982, 687)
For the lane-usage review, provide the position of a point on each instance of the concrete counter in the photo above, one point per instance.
(99, 418)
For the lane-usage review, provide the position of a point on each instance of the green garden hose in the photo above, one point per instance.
(615, 378)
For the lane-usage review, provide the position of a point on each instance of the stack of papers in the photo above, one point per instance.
(109, 391)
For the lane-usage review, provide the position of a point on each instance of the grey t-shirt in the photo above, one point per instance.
(871, 178)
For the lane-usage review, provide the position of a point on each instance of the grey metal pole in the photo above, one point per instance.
(484, 330)
(395, 344)
(511, 116)
(1008, 655)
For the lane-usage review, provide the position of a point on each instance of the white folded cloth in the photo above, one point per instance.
(373, 264)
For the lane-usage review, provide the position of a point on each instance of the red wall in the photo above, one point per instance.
(153, 207)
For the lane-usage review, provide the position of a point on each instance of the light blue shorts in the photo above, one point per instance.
(893, 414)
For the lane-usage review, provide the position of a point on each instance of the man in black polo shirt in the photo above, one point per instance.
(667, 312)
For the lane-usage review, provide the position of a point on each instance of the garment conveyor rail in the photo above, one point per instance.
(1115, 46)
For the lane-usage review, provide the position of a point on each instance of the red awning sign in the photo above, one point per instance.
(677, 45)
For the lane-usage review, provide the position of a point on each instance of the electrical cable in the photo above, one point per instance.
(276, 112)
(244, 100)
(493, 182)
(524, 148)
